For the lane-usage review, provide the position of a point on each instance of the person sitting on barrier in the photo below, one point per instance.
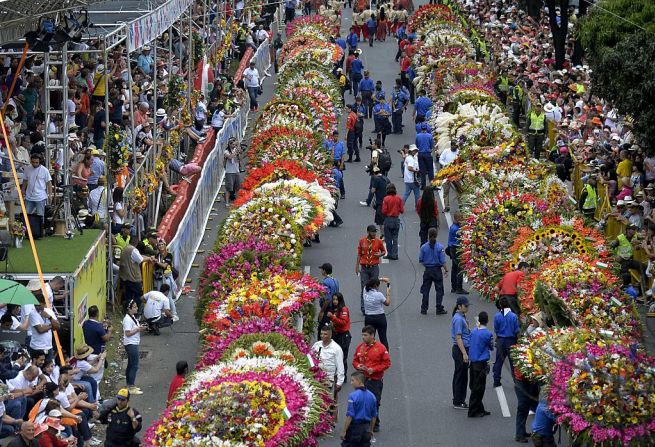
(156, 304)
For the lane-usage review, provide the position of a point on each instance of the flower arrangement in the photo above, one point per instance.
(232, 264)
(300, 145)
(176, 90)
(308, 73)
(138, 199)
(604, 395)
(476, 93)
(286, 113)
(310, 47)
(17, 229)
(261, 402)
(314, 24)
(117, 147)
(319, 104)
(427, 16)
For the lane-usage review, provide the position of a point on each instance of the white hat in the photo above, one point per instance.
(413, 147)
(160, 112)
(100, 68)
(620, 203)
(557, 81)
(549, 107)
(34, 285)
(628, 200)
(615, 137)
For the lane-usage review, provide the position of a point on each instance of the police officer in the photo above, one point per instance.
(433, 257)
(124, 422)
(517, 102)
(399, 100)
(361, 415)
(366, 88)
(536, 128)
(502, 87)
(589, 198)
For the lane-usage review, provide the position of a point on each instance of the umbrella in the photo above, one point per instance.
(12, 292)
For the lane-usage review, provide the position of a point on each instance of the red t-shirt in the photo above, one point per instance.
(47, 439)
(510, 282)
(393, 206)
(374, 356)
(370, 251)
(176, 383)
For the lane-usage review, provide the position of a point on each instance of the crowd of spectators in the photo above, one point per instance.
(585, 128)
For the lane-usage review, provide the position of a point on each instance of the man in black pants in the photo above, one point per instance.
(433, 257)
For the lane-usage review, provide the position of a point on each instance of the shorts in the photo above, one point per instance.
(232, 182)
(35, 207)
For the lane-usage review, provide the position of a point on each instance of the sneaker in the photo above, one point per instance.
(522, 439)
(136, 391)
(442, 311)
(362, 203)
(91, 425)
(176, 318)
(424, 312)
(461, 406)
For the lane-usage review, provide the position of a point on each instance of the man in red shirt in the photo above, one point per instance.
(182, 368)
(351, 135)
(508, 286)
(372, 359)
(369, 251)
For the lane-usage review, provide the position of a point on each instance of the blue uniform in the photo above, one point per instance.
(379, 107)
(399, 99)
(506, 325)
(432, 256)
(481, 345)
(356, 66)
(418, 127)
(352, 40)
(366, 85)
(424, 142)
(422, 105)
(337, 149)
(331, 286)
(543, 421)
(342, 43)
(362, 405)
(460, 327)
(453, 235)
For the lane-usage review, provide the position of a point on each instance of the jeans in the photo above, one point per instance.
(502, 351)
(90, 387)
(36, 207)
(409, 188)
(391, 231)
(535, 144)
(343, 339)
(379, 322)
(366, 273)
(252, 93)
(375, 387)
(478, 382)
(132, 364)
(354, 80)
(527, 395)
(432, 275)
(426, 167)
(460, 376)
(456, 273)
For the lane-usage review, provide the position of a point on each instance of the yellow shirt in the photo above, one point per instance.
(624, 169)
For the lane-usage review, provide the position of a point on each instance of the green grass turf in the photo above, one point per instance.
(56, 254)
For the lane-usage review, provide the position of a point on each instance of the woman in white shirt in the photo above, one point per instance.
(374, 303)
(119, 211)
(131, 340)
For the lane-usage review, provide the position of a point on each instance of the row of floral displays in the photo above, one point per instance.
(257, 383)
(598, 381)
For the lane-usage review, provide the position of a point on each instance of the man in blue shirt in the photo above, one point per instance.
(372, 26)
(352, 39)
(145, 61)
(422, 105)
(461, 336)
(97, 169)
(542, 426)
(507, 328)
(366, 88)
(341, 42)
(360, 415)
(454, 239)
(433, 257)
(420, 124)
(356, 68)
(381, 114)
(289, 10)
(399, 100)
(479, 354)
(425, 144)
(96, 334)
(331, 287)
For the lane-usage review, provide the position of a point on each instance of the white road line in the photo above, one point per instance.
(503, 402)
(449, 218)
(308, 268)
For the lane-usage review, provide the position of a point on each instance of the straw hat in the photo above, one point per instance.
(34, 285)
(83, 352)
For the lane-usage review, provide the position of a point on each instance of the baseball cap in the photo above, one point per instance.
(123, 394)
(462, 301)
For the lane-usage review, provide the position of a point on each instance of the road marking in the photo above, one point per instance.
(503, 402)
(308, 268)
(449, 218)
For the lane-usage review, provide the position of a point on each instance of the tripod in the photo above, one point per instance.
(64, 210)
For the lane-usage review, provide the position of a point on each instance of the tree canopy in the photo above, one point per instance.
(621, 54)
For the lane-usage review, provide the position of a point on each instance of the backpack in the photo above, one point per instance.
(384, 161)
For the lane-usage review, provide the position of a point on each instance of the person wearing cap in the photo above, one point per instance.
(145, 61)
(123, 422)
(251, 82)
(536, 128)
(589, 198)
(399, 101)
(410, 174)
(356, 69)
(97, 169)
(352, 39)
(100, 83)
(460, 334)
(369, 251)
(381, 114)
(372, 359)
(122, 239)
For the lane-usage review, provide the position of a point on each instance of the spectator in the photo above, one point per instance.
(130, 271)
(182, 369)
(42, 321)
(37, 186)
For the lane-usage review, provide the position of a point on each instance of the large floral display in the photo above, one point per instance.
(257, 383)
(590, 359)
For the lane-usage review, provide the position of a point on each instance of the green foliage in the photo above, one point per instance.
(552, 307)
(198, 49)
(621, 56)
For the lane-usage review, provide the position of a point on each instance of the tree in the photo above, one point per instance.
(619, 40)
(559, 28)
(578, 50)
